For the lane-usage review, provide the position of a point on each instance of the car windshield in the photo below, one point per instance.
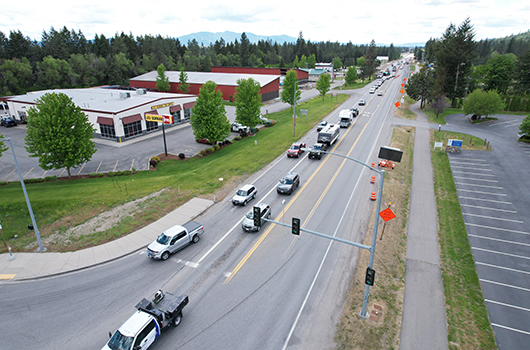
(286, 181)
(120, 342)
(163, 239)
(241, 193)
(295, 147)
(250, 215)
(323, 123)
(316, 148)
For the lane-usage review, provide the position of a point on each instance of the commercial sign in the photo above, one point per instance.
(166, 119)
(162, 106)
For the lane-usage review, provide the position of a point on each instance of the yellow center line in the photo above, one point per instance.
(279, 217)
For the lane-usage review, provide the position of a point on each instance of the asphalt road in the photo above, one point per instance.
(493, 193)
(265, 290)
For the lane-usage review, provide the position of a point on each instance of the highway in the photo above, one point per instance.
(263, 290)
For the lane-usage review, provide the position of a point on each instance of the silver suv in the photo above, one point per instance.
(245, 195)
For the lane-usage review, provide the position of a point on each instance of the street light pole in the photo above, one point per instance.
(41, 248)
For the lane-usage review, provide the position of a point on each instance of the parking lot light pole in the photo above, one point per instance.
(41, 248)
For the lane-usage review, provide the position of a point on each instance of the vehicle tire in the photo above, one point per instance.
(269, 216)
(259, 227)
(196, 238)
(177, 319)
(244, 203)
(165, 256)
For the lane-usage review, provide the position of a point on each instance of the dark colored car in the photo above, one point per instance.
(355, 111)
(288, 184)
(317, 151)
(296, 149)
(321, 125)
(7, 121)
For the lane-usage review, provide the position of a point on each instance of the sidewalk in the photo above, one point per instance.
(35, 265)
(424, 322)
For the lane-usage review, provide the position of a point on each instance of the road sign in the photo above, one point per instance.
(454, 143)
(387, 214)
(167, 119)
(397, 104)
(303, 112)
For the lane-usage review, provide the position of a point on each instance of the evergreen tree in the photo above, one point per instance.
(183, 82)
(162, 81)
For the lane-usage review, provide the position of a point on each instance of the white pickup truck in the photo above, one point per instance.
(174, 239)
(145, 326)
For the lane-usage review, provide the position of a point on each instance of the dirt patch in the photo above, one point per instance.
(101, 222)
(381, 328)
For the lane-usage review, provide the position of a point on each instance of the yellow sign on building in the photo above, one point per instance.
(154, 118)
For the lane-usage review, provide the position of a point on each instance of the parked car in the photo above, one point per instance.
(204, 141)
(236, 127)
(8, 121)
(248, 220)
(361, 102)
(288, 184)
(296, 149)
(245, 195)
(322, 125)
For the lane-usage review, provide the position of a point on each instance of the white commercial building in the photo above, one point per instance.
(116, 114)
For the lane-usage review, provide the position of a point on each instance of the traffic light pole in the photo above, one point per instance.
(370, 248)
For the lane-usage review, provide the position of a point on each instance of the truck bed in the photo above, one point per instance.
(192, 226)
(168, 305)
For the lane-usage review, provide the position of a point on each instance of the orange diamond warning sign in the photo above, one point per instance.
(387, 214)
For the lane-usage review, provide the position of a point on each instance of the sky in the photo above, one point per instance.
(384, 21)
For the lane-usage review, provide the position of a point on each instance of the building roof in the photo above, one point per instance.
(229, 79)
(102, 100)
(317, 71)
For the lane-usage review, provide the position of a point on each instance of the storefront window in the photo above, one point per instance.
(133, 129)
(107, 131)
(150, 126)
(187, 114)
(176, 117)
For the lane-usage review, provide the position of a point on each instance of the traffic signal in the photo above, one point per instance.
(296, 226)
(256, 213)
(370, 276)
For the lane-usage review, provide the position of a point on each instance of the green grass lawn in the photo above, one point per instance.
(58, 205)
(468, 325)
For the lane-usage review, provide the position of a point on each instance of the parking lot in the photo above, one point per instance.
(495, 209)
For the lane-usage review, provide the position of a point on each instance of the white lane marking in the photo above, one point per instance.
(484, 200)
(499, 240)
(489, 193)
(471, 178)
(503, 268)
(505, 285)
(499, 229)
(466, 167)
(493, 218)
(501, 253)
(483, 186)
(486, 208)
(463, 172)
(508, 305)
(510, 328)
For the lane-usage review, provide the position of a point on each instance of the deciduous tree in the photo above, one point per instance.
(59, 133)
(483, 104)
(351, 75)
(209, 119)
(248, 102)
(323, 84)
(3, 146)
(421, 86)
(524, 127)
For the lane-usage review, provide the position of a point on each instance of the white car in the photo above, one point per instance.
(245, 195)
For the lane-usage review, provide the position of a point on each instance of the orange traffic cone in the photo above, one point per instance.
(372, 180)
(373, 165)
(372, 197)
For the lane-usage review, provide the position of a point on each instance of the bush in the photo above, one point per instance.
(254, 130)
(228, 142)
(119, 173)
(111, 174)
(126, 172)
(153, 163)
(202, 152)
(216, 147)
(210, 150)
(50, 178)
(133, 170)
(3, 183)
(101, 175)
(182, 155)
(33, 181)
(156, 159)
(93, 174)
(237, 138)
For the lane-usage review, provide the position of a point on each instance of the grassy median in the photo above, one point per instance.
(60, 205)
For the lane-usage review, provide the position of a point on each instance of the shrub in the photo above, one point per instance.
(202, 152)
(126, 172)
(101, 175)
(210, 150)
(119, 173)
(216, 147)
(50, 178)
(237, 138)
(153, 163)
(33, 181)
(228, 142)
(133, 170)
(93, 175)
(111, 174)
(3, 183)
(254, 130)
(156, 159)
(182, 155)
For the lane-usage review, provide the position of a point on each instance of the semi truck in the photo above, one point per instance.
(143, 328)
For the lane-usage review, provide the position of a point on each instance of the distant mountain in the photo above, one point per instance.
(208, 37)
(410, 45)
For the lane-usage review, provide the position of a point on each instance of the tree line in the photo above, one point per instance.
(67, 59)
